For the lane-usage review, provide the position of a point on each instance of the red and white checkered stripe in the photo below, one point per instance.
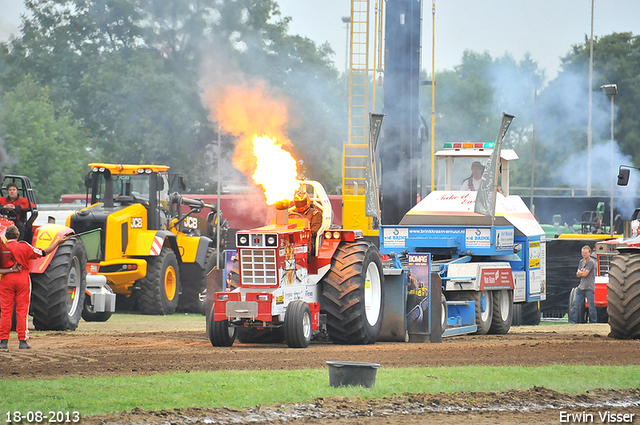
(156, 247)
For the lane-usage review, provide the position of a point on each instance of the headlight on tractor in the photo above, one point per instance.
(242, 240)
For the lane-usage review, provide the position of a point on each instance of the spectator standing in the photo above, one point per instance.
(587, 274)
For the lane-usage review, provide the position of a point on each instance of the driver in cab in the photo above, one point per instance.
(15, 207)
(472, 183)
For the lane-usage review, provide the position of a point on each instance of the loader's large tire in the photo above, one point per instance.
(260, 336)
(297, 324)
(526, 314)
(623, 296)
(194, 281)
(158, 293)
(502, 312)
(484, 307)
(220, 333)
(88, 315)
(353, 294)
(57, 294)
(583, 311)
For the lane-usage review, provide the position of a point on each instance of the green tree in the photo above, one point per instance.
(48, 147)
(128, 71)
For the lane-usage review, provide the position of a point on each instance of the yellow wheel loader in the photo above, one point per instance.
(152, 243)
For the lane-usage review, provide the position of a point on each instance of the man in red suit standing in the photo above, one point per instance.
(15, 286)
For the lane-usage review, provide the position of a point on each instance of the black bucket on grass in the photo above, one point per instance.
(342, 374)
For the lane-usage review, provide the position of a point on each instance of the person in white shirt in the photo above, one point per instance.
(472, 182)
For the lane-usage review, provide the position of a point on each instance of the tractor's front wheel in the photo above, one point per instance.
(623, 296)
(158, 290)
(297, 324)
(57, 294)
(353, 295)
(220, 333)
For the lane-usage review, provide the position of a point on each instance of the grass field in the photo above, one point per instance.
(238, 389)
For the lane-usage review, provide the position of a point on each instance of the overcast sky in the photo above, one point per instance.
(544, 28)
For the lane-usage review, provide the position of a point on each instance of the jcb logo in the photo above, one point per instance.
(136, 222)
(191, 222)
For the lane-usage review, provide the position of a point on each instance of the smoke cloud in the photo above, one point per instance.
(242, 106)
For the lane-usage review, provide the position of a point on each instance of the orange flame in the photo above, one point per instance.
(276, 169)
(247, 111)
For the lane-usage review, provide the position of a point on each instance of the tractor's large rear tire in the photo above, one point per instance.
(353, 294)
(297, 324)
(57, 294)
(220, 333)
(194, 281)
(623, 296)
(158, 293)
(484, 307)
(502, 312)
(260, 336)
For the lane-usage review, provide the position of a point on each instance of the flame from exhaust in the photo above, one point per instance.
(276, 169)
(258, 118)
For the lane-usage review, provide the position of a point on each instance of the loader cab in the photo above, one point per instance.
(117, 186)
(454, 163)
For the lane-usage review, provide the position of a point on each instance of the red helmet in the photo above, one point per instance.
(301, 201)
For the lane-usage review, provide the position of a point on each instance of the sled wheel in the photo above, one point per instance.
(502, 311)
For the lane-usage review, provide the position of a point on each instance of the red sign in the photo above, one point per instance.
(494, 277)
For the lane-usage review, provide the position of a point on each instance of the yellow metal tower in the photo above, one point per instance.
(355, 152)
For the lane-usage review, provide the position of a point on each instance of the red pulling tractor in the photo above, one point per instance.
(292, 287)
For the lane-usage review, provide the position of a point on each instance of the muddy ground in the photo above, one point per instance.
(139, 345)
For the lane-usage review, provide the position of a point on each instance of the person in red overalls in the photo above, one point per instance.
(15, 286)
(15, 206)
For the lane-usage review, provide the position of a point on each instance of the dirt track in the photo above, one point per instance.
(118, 347)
